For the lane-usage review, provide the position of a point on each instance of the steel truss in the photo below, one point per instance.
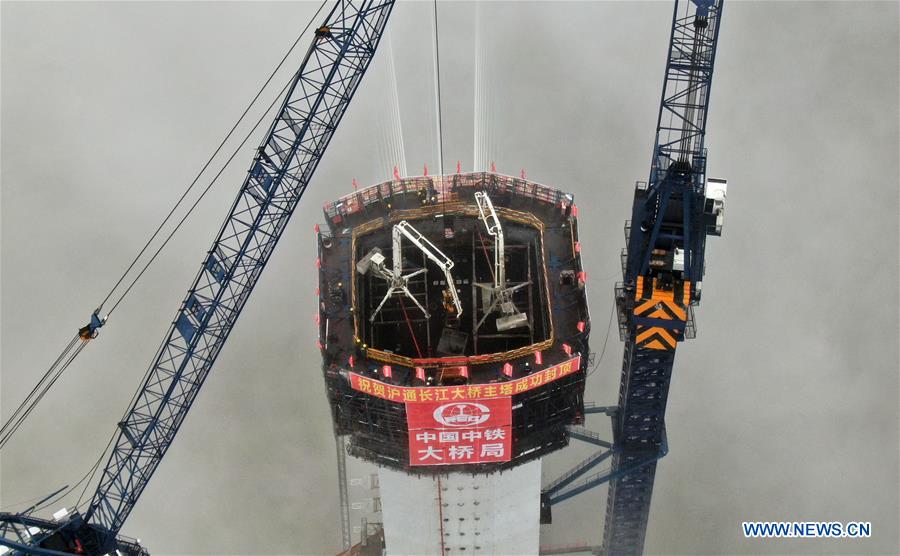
(278, 177)
(314, 104)
(662, 269)
(668, 217)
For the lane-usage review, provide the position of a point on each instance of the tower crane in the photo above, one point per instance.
(673, 213)
(672, 216)
(316, 100)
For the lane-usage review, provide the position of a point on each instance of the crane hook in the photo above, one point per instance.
(92, 329)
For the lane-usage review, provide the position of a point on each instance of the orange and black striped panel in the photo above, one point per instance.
(660, 315)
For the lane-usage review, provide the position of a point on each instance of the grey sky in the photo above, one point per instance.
(785, 407)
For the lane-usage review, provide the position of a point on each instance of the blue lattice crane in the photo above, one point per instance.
(672, 215)
(316, 100)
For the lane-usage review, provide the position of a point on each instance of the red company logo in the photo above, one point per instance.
(462, 414)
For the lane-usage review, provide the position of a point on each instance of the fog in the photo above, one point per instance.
(785, 407)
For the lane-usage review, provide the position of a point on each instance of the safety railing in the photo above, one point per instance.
(576, 471)
(445, 189)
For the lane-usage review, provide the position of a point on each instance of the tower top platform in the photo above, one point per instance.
(426, 298)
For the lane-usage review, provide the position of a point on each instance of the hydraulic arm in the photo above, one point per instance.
(316, 101)
(501, 296)
(430, 251)
(397, 282)
(492, 223)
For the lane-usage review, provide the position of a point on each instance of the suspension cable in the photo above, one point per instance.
(92, 472)
(200, 198)
(89, 476)
(440, 129)
(9, 423)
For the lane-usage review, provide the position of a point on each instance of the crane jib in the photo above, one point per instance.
(313, 107)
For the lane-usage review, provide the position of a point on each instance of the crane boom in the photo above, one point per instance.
(672, 215)
(281, 170)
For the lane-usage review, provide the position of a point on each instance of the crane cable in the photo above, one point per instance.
(605, 341)
(200, 173)
(437, 84)
(440, 130)
(27, 406)
(71, 351)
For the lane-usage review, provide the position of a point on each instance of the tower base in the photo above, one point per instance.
(462, 514)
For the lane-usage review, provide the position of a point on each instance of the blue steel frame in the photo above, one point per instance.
(667, 213)
(678, 168)
(278, 177)
(561, 490)
(676, 185)
(315, 102)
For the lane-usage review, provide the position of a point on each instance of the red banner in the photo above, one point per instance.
(454, 433)
(473, 392)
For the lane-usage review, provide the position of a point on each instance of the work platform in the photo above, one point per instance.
(386, 354)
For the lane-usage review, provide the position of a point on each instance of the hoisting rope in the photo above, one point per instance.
(605, 341)
(487, 258)
(202, 171)
(409, 325)
(56, 369)
(91, 330)
(437, 84)
(440, 129)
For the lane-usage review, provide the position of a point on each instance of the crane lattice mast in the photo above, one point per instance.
(315, 102)
(663, 266)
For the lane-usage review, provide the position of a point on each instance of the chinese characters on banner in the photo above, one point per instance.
(452, 425)
(406, 394)
(453, 433)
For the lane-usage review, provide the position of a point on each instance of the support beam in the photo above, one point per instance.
(592, 407)
(571, 475)
(591, 437)
(614, 472)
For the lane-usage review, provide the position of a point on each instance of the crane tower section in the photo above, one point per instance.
(314, 104)
(672, 215)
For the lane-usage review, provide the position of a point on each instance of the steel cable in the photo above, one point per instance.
(38, 392)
